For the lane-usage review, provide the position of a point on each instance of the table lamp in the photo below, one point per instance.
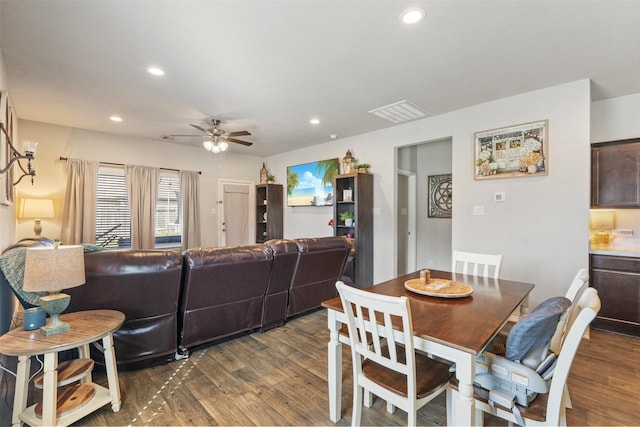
(51, 270)
(36, 209)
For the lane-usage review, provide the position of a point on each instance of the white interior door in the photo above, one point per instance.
(236, 218)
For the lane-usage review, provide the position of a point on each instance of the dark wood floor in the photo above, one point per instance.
(280, 378)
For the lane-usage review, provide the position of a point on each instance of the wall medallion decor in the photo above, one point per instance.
(514, 151)
(440, 193)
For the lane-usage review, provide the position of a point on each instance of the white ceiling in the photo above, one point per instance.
(269, 66)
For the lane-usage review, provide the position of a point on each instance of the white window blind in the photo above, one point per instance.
(113, 217)
(168, 229)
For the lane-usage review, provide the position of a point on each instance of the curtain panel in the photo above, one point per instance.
(79, 210)
(190, 193)
(142, 189)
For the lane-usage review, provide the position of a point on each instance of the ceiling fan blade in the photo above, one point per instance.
(238, 133)
(238, 141)
(199, 128)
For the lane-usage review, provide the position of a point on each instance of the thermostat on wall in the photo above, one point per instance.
(499, 197)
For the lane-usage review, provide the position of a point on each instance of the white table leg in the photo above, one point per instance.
(334, 354)
(84, 353)
(524, 307)
(50, 389)
(112, 372)
(22, 389)
(463, 407)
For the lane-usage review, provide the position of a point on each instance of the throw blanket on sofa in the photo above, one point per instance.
(12, 265)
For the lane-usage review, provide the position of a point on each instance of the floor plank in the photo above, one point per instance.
(279, 377)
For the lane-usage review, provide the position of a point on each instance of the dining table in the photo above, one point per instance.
(454, 327)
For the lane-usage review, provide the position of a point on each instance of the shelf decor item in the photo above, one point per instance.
(264, 174)
(347, 163)
(363, 168)
(347, 217)
(513, 151)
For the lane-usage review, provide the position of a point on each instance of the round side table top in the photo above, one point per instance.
(86, 327)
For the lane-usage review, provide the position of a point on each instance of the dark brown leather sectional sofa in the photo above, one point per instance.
(174, 302)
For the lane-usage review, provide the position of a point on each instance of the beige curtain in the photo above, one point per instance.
(190, 193)
(79, 211)
(142, 189)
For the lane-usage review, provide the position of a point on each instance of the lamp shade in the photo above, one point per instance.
(53, 269)
(36, 208)
(602, 220)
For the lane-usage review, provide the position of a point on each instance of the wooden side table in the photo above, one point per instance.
(73, 402)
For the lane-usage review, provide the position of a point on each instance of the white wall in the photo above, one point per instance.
(7, 213)
(55, 141)
(542, 228)
(434, 234)
(615, 118)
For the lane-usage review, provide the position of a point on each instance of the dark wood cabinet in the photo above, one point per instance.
(268, 212)
(615, 174)
(354, 193)
(617, 280)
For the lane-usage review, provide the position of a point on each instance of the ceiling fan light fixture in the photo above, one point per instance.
(215, 148)
(208, 145)
(223, 146)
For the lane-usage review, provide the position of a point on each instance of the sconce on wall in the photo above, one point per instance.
(15, 156)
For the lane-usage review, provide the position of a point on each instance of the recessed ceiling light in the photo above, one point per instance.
(155, 71)
(314, 121)
(413, 15)
(115, 118)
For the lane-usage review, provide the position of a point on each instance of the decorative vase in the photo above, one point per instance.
(348, 222)
(532, 168)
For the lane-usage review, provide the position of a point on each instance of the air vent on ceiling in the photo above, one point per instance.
(398, 112)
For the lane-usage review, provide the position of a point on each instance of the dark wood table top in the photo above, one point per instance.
(467, 323)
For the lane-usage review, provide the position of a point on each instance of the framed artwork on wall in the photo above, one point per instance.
(9, 191)
(440, 203)
(514, 151)
(4, 148)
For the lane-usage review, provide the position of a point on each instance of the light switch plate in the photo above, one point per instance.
(478, 210)
(499, 197)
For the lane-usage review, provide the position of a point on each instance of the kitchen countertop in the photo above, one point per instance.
(618, 247)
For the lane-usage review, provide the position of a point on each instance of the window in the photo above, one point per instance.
(113, 216)
(168, 210)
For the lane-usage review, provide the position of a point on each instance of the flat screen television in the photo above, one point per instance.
(311, 184)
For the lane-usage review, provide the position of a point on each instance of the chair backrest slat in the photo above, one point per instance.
(379, 323)
(476, 264)
(586, 308)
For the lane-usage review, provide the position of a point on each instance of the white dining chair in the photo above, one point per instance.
(550, 408)
(390, 368)
(476, 264)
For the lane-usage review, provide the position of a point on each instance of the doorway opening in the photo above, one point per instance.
(421, 241)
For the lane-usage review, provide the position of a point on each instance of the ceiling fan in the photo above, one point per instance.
(218, 138)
